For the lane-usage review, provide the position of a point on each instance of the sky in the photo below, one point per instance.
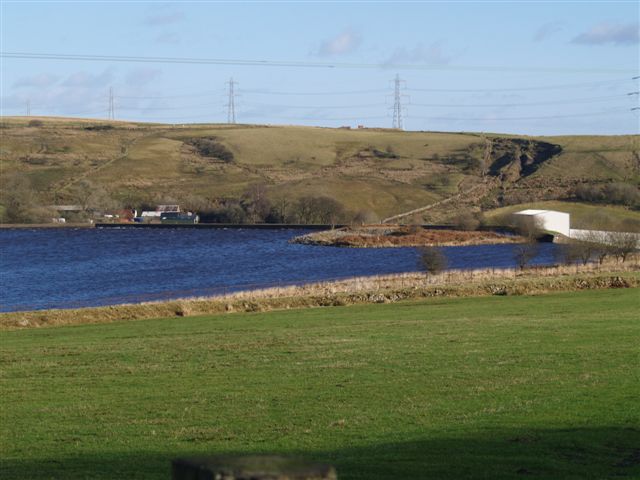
(526, 67)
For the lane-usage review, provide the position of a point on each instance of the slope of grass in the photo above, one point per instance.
(496, 388)
(387, 171)
(583, 215)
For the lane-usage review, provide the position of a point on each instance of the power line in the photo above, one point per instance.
(298, 64)
(353, 92)
(481, 119)
(518, 89)
(375, 91)
(317, 107)
(524, 104)
(159, 97)
(577, 101)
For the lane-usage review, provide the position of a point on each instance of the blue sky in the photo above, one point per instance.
(539, 68)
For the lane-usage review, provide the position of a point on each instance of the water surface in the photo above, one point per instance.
(67, 268)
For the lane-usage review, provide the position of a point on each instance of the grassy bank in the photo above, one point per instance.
(494, 387)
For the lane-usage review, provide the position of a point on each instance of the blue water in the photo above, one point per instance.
(67, 268)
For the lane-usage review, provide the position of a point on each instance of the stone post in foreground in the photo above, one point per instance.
(250, 467)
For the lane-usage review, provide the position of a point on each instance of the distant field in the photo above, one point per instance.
(496, 388)
(381, 171)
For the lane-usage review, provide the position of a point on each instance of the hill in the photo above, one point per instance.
(376, 172)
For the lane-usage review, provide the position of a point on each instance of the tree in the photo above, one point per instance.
(523, 253)
(256, 203)
(467, 221)
(92, 197)
(577, 251)
(280, 210)
(432, 260)
(19, 198)
(321, 209)
(21, 201)
(621, 244)
(365, 216)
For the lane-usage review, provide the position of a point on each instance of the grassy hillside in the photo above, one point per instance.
(499, 387)
(583, 215)
(382, 171)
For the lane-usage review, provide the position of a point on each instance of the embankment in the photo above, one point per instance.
(378, 289)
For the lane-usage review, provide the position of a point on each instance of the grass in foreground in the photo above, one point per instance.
(497, 387)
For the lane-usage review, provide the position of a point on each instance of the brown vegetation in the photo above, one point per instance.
(401, 236)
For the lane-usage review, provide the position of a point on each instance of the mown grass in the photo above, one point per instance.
(498, 387)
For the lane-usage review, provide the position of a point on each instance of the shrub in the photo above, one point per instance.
(210, 147)
(613, 193)
(98, 128)
(432, 260)
(621, 194)
(321, 209)
(467, 221)
(35, 123)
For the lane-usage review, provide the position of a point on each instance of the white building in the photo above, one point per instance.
(549, 220)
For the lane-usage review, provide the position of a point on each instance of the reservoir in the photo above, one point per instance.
(71, 268)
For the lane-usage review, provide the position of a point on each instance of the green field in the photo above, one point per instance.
(495, 388)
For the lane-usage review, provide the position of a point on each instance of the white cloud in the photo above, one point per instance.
(142, 76)
(433, 55)
(164, 18)
(168, 37)
(343, 43)
(610, 33)
(547, 30)
(41, 80)
(89, 80)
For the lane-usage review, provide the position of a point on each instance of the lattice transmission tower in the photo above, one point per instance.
(397, 103)
(112, 108)
(231, 103)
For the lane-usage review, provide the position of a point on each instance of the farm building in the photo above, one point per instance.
(549, 220)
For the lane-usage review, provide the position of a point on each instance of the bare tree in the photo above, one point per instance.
(622, 244)
(21, 201)
(92, 197)
(365, 216)
(256, 203)
(432, 260)
(320, 209)
(577, 251)
(523, 253)
(467, 221)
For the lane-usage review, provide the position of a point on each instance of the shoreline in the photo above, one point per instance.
(237, 226)
(357, 290)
